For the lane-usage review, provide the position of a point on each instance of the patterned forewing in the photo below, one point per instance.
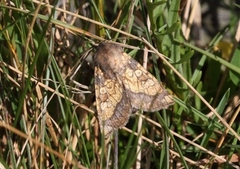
(113, 106)
(143, 89)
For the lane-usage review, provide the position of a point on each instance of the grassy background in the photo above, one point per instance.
(46, 121)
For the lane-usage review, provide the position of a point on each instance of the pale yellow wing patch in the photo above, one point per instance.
(141, 81)
(113, 106)
(143, 89)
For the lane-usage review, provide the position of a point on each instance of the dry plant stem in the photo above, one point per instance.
(89, 20)
(220, 142)
(73, 141)
(192, 15)
(227, 130)
(78, 30)
(25, 55)
(139, 152)
(237, 36)
(219, 158)
(185, 19)
(194, 90)
(140, 120)
(29, 35)
(65, 26)
(36, 142)
(171, 151)
(30, 132)
(46, 87)
(129, 20)
(51, 130)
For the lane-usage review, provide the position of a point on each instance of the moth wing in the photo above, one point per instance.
(143, 89)
(113, 105)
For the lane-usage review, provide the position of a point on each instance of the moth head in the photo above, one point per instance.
(110, 47)
(107, 53)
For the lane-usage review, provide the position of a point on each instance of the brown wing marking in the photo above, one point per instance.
(113, 105)
(143, 89)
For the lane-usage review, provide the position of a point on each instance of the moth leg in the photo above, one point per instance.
(78, 85)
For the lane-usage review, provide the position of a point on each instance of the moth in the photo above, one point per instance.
(122, 85)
